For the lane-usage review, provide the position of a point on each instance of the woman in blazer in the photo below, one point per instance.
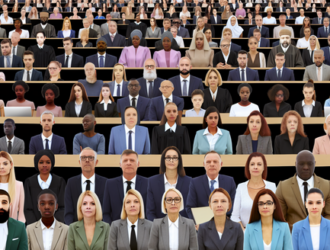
(309, 107)
(12, 186)
(106, 106)
(314, 231)
(172, 204)
(257, 137)
(256, 173)
(47, 205)
(78, 104)
(220, 232)
(44, 162)
(171, 173)
(267, 213)
(153, 31)
(89, 212)
(322, 143)
(278, 95)
(132, 215)
(67, 30)
(308, 54)
(211, 137)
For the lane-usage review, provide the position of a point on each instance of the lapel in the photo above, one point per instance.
(261, 142)
(183, 230)
(164, 231)
(33, 74)
(2, 61)
(125, 90)
(99, 227)
(323, 234)
(79, 227)
(138, 183)
(141, 233)
(313, 73)
(307, 233)
(3, 143)
(120, 187)
(122, 135)
(178, 185)
(39, 142)
(204, 137)
(326, 144)
(106, 60)
(57, 234)
(275, 235)
(213, 234)
(77, 191)
(258, 235)
(38, 233)
(297, 194)
(11, 233)
(98, 187)
(227, 234)
(249, 143)
(205, 183)
(124, 233)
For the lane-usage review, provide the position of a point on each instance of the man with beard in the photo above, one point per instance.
(10, 143)
(89, 138)
(12, 232)
(48, 29)
(292, 54)
(47, 140)
(279, 72)
(102, 59)
(317, 71)
(18, 50)
(150, 83)
(185, 84)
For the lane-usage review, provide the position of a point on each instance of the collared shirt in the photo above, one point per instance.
(164, 99)
(4, 234)
(43, 26)
(187, 83)
(317, 71)
(212, 139)
(84, 183)
(216, 183)
(114, 34)
(240, 73)
(214, 94)
(69, 59)
(47, 235)
(310, 185)
(225, 57)
(12, 141)
(173, 234)
(308, 108)
(285, 49)
(45, 184)
(99, 59)
(25, 74)
(10, 59)
(78, 107)
(129, 229)
(41, 47)
(136, 99)
(14, 49)
(277, 69)
(169, 185)
(132, 184)
(115, 88)
(167, 127)
(137, 23)
(105, 105)
(127, 136)
(326, 28)
(23, 20)
(50, 138)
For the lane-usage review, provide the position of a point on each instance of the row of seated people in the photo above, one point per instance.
(156, 212)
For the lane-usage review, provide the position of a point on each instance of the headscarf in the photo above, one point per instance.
(40, 154)
(244, 85)
(317, 45)
(167, 34)
(136, 33)
(193, 41)
(236, 30)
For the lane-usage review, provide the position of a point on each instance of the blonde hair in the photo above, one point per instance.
(98, 212)
(218, 75)
(124, 72)
(11, 177)
(66, 19)
(84, 32)
(137, 194)
(164, 196)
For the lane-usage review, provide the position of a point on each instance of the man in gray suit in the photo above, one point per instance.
(94, 26)
(3, 32)
(10, 143)
(17, 50)
(318, 71)
(105, 27)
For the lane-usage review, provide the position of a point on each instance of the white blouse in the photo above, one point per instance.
(267, 20)
(242, 111)
(315, 233)
(24, 34)
(267, 247)
(302, 43)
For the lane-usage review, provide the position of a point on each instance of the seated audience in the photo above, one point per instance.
(17, 49)
(102, 59)
(119, 83)
(324, 30)
(8, 59)
(227, 34)
(20, 88)
(10, 143)
(318, 71)
(243, 73)
(93, 26)
(84, 39)
(278, 95)
(67, 30)
(261, 42)
(322, 143)
(208, 35)
(279, 72)
(18, 28)
(232, 24)
(178, 39)
(28, 73)
(50, 92)
(106, 106)
(171, 13)
(250, 20)
(255, 58)
(34, 13)
(115, 12)
(226, 58)
(184, 12)
(99, 14)
(307, 54)
(78, 104)
(92, 85)
(304, 41)
(197, 99)
(69, 59)
(142, 14)
(153, 31)
(264, 31)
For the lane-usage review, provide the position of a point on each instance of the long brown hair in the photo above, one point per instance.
(247, 165)
(264, 130)
(180, 168)
(101, 97)
(84, 93)
(164, 119)
(310, 84)
(300, 129)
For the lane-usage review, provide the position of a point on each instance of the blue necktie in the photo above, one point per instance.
(8, 61)
(243, 75)
(130, 140)
(279, 74)
(184, 92)
(118, 89)
(47, 145)
(101, 61)
(212, 185)
(150, 88)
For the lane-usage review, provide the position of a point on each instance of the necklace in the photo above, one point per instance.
(257, 188)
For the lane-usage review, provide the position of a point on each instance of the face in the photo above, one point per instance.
(292, 124)
(23, 12)
(167, 44)
(318, 59)
(326, 22)
(4, 204)
(242, 60)
(256, 166)
(87, 161)
(171, 113)
(255, 124)
(208, 34)
(54, 70)
(175, 202)
(307, 32)
(101, 46)
(227, 35)
(197, 101)
(40, 39)
(288, 12)
(171, 159)
(88, 207)
(152, 22)
(308, 93)
(88, 123)
(253, 44)
(77, 92)
(6, 49)
(302, 12)
(131, 117)
(200, 23)
(19, 91)
(132, 205)
(225, 46)
(212, 164)
(17, 24)
(136, 41)
(258, 20)
(8, 128)
(75, 10)
(166, 25)
(134, 88)
(44, 165)
(233, 21)
(312, 40)
(184, 65)
(282, 20)
(118, 72)
(86, 24)
(315, 204)
(44, 19)
(49, 96)
(174, 33)
(28, 61)
(266, 205)
(305, 165)
(244, 93)
(137, 17)
(129, 164)
(89, 70)
(5, 166)
(47, 122)
(166, 88)
(219, 204)
(279, 97)
(279, 60)
(214, 11)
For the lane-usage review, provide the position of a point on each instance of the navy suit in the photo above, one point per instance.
(72, 192)
(16, 62)
(183, 32)
(326, 54)
(264, 42)
(276, 43)
(287, 75)
(213, 19)
(60, 34)
(264, 31)
(251, 75)
(118, 41)
(199, 191)
(77, 60)
(57, 145)
(110, 60)
(124, 88)
(321, 32)
(162, 30)
(278, 9)
(195, 83)
(114, 196)
(155, 91)
(316, 20)
(36, 75)
(235, 47)
(157, 106)
(142, 106)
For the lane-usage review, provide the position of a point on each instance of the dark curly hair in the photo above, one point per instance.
(51, 86)
(21, 83)
(277, 87)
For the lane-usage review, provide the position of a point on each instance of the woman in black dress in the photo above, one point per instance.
(106, 106)
(278, 94)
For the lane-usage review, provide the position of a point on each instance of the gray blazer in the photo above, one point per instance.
(104, 29)
(311, 73)
(159, 238)
(97, 28)
(244, 145)
(3, 33)
(17, 148)
(20, 51)
(156, 34)
(118, 239)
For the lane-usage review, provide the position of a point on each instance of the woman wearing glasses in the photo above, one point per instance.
(173, 231)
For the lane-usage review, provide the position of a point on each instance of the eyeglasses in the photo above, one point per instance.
(170, 200)
(149, 66)
(84, 158)
(268, 203)
(171, 158)
(52, 68)
(224, 45)
(279, 96)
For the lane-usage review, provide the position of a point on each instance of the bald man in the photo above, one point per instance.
(292, 192)
(112, 38)
(318, 71)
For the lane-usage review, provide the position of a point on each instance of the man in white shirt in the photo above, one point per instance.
(69, 59)
(10, 143)
(28, 74)
(277, 29)
(300, 19)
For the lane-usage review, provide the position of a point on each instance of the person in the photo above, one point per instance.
(106, 106)
(261, 42)
(269, 19)
(202, 25)
(84, 39)
(182, 31)
(29, 73)
(321, 144)
(116, 187)
(178, 39)
(44, 162)
(69, 59)
(264, 31)
(250, 20)
(91, 84)
(78, 104)
(99, 14)
(142, 14)
(50, 92)
(102, 59)
(226, 58)
(184, 12)
(93, 26)
(115, 12)
(21, 88)
(171, 13)
(33, 13)
(67, 30)
(118, 85)
(277, 29)
(89, 232)
(319, 19)
(292, 139)
(232, 24)
(10, 143)
(292, 193)
(279, 72)
(47, 8)
(197, 99)
(135, 25)
(307, 54)
(5, 19)
(53, 72)
(16, 49)
(300, 19)
(304, 41)
(227, 13)
(318, 71)
(47, 28)
(255, 58)
(90, 33)
(55, 14)
(208, 35)
(23, 17)
(112, 38)
(173, 225)
(267, 227)
(8, 60)
(324, 30)
(306, 24)
(18, 28)
(288, 13)
(13, 234)
(326, 52)
(153, 31)
(278, 95)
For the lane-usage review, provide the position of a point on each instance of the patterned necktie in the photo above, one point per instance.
(184, 92)
(112, 38)
(212, 185)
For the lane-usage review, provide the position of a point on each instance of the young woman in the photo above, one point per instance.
(92, 85)
(106, 106)
(306, 23)
(84, 39)
(167, 57)
(308, 54)
(67, 30)
(157, 12)
(278, 95)
(153, 31)
(208, 35)
(240, 12)
(304, 41)
(171, 13)
(75, 14)
(78, 104)
(33, 13)
(50, 92)
(255, 58)
(99, 15)
(18, 28)
(142, 14)
(119, 83)
(54, 69)
(21, 88)
(184, 12)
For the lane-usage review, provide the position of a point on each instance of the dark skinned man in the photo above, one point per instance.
(10, 143)
(101, 58)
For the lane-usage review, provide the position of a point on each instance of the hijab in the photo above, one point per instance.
(40, 154)
(236, 30)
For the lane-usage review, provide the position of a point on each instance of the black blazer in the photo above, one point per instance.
(89, 44)
(283, 145)
(71, 112)
(174, 15)
(302, 31)
(77, 60)
(222, 102)
(232, 59)
(307, 57)
(32, 189)
(271, 111)
(316, 112)
(111, 110)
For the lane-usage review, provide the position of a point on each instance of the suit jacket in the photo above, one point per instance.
(183, 32)
(306, 56)
(156, 189)
(222, 102)
(97, 28)
(315, 20)
(77, 236)
(118, 41)
(278, 9)
(282, 144)
(326, 54)
(281, 237)
(60, 34)
(159, 238)
(247, 22)
(155, 91)
(17, 148)
(124, 88)
(72, 192)
(212, 18)
(160, 58)
(157, 106)
(195, 83)
(264, 42)
(316, 112)
(36, 75)
(288, 194)
(16, 62)
(3, 33)
(232, 237)
(244, 144)
(235, 47)
(321, 32)
(16, 238)
(232, 59)
(77, 60)
(19, 51)
(119, 235)
(264, 31)
(110, 112)
(57, 145)
(199, 191)
(35, 240)
(322, 145)
(110, 60)
(287, 75)
(142, 106)
(311, 72)
(71, 112)
(251, 75)
(271, 111)
(114, 196)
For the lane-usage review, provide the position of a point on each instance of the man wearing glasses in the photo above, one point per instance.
(88, 180)
(183, 32)
(226, 58)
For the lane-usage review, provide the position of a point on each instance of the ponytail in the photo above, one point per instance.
(310, 84)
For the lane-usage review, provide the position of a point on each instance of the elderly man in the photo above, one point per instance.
(112, 37)
(105, 26)
(92, 32)
(324, 30)
(318, 71)
(322, 143)
(94, 26)
(44, 26)
(277, 29)
(101, 59)
(263, 29)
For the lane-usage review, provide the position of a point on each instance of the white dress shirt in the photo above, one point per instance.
(216, 183)
(4, 186)
(45, 184)
(310, 184)
(225, 57)
(220, 235)
(50, 138)
(84, 183)
(25, 74)
(214, 95)
(129, 229)
(136, 99)
(115, 88)
(4, 234)
(133, 137)
(308, 108)
(43, 26)
(212, 139)
(69, 59)
(173, 230)
(315, 233)
(164, 99)
(132, 184)
(105, 105)
(10, 59)
(167, 127)
(240, 73)
(78, 107)
(99, 59)
(267, 247)
(285, 49)
(281, 69)
(47, 235)
(299, 20)
(41, 47)
(169, 185)
(12, 141)
(187, 83)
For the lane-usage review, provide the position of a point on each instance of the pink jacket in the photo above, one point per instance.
(160, 58)
(322, 145)
(129, 59)
(17, 205)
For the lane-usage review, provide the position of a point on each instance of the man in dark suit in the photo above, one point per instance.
(92, 33)
(88, 180)
(123, 19)
(263, 29)
(319, 18)
(227, 35)
(262, 42)
(150, 83)
(243, 73)
(134, 99)
(8, 60)
(279, 73)
(113, 38)
(116, 188)
(69, 59)
(29, 73)
(16, 49)
(166, 25)
(10, 143)
(324, 30)
(185, 84)
(102, 59)
(327, 52)
(47, 140)
(201, 187)
(183, 32)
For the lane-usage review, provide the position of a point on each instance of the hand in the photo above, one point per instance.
(219, 65)
(227, 66)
